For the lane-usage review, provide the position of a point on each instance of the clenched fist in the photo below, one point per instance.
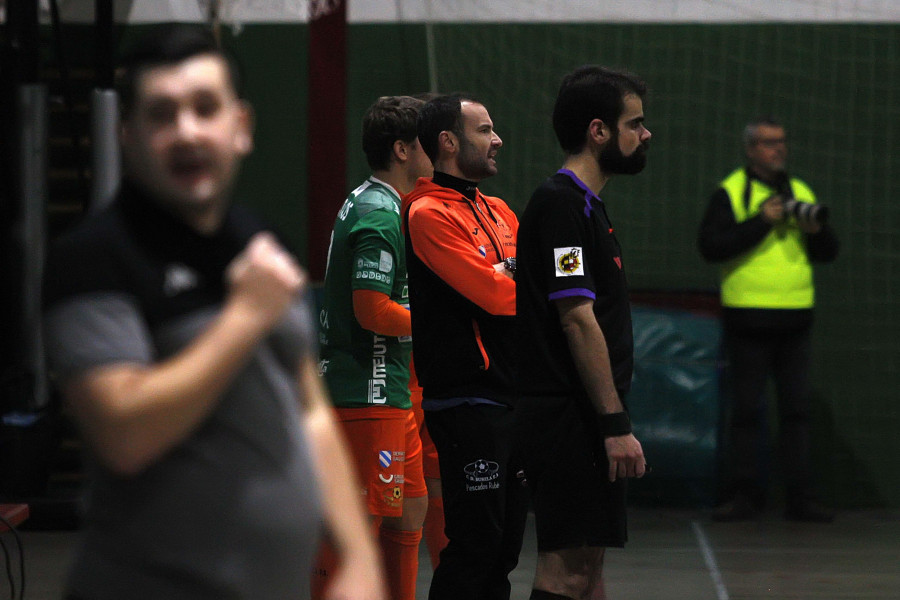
(264, 279)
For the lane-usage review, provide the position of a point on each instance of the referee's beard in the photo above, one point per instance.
(613, 162)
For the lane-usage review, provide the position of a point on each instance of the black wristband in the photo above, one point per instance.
(614, 424)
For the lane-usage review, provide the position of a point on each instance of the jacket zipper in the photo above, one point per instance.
(488, 230)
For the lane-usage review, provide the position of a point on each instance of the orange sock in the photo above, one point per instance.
(401, 561)
(323, 571)
(433, 530)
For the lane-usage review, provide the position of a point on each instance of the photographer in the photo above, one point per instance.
(765, 229)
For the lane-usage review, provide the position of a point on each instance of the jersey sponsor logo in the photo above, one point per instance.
(179, 278)
(323, 328)
(482, 251)
(374, 276)
(345, 209)
(395, 478)
(482, 475)
(386, 262)
(379, 371)
(384, 458)
(568, 261)
(393, 497)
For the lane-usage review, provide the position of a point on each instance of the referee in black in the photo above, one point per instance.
(576, 348)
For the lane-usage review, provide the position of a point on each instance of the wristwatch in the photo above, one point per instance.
(510, 263)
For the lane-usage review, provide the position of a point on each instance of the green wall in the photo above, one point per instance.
(835, 87)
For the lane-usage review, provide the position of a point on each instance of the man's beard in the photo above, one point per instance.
(473, 167)
(613, 162)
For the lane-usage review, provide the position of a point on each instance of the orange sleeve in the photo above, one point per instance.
(441, 243)
(376, 312)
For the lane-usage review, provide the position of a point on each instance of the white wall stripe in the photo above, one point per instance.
(633, 11)
(513, 11)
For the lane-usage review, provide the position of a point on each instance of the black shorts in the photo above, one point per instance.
(567, 472)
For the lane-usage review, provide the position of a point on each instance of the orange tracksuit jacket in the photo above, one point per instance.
(463, 310)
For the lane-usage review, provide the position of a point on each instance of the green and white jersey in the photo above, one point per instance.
(362, 368)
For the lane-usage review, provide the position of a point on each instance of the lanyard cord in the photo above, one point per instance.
(488, 230)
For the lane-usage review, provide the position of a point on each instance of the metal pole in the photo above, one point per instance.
(31, 231)
(430, 49)
(104, 22)
(106, 162)
(105, 157)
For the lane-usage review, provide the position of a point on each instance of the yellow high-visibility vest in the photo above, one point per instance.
(776, 273)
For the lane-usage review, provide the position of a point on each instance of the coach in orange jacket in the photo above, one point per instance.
(460, 252)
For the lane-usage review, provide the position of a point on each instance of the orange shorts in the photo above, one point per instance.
(387, 453)
(429, 452)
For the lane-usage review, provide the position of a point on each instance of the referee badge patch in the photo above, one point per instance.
(568, 261)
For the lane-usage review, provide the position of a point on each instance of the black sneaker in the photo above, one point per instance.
(809, 512)
(737, 509)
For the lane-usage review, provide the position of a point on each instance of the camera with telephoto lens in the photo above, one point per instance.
(805, 212)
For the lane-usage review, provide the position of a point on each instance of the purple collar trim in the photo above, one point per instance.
(588, 192)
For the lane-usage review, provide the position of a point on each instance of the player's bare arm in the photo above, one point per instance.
(360, 575)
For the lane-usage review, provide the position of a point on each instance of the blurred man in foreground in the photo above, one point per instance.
(181, 341)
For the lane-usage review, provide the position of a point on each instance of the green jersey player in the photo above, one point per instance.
(362, 367)
(366, 344)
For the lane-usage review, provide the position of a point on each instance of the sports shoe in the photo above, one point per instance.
(738, 508)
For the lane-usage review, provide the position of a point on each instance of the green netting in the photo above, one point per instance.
(836, 88)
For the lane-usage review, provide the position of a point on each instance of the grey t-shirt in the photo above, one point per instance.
(233, 511)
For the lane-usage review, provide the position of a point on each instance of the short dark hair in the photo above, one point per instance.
(587, 93)
(751, 128)
(168, 45)
(425, 96)
(389, 119)
(443, 113)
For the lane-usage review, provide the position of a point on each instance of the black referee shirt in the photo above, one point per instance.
(567, 247)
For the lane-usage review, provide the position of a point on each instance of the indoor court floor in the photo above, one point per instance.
(672, 555)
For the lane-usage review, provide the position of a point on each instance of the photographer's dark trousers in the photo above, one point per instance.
(485, 505)
(777, 347)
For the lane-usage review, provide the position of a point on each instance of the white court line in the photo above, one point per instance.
(710, 560)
